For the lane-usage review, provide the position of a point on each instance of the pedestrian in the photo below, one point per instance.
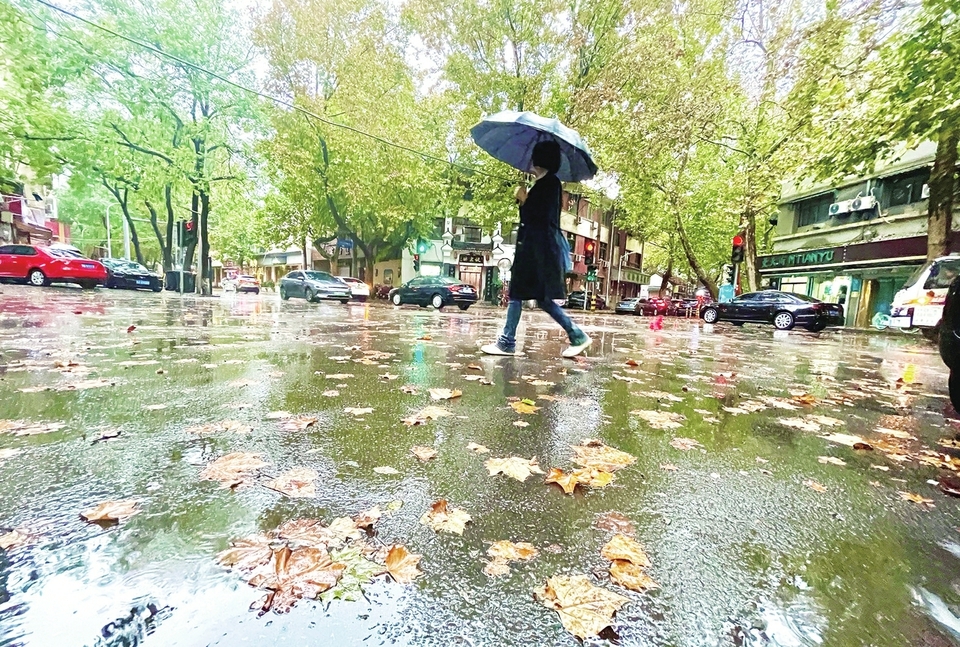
(537, 272)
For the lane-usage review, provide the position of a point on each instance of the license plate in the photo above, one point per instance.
(900, 322)
(927, 316)
(87, 266)
(468, 289)
(143, 282)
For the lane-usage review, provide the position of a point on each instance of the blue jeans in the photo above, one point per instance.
(508, 340)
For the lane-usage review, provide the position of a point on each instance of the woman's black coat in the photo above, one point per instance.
(537, 271)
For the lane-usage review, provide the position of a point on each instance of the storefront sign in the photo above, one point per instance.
(471, 259)
(799, 259)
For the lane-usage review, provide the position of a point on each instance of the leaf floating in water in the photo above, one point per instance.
(813, 485)
(232, 426)
(444, 519)
(480, 449)
(15, 539)
(233, 469)
(514, 467)
(625, 548)
(831, 460)
(615, 522)
(916, 498)
(295, 483)
(660, 419)
(584, 609)
(445, 394)
(425, 415)
(386, 469)
(299, 423)
(112, 511)
(524, 407)
(685, 444)
(587, 476)
(595, 454)
(423, 453)
(402, 565)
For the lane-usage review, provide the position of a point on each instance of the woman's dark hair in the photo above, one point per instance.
(546, 155)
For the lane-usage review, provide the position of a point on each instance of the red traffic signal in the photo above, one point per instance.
(588, 247)
(737, 240)
(189, 225)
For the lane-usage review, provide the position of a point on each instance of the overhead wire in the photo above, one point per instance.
(283, 102)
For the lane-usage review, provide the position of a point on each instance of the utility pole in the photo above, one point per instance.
(109, 244)
(126, 239)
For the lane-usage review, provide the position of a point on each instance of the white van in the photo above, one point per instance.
(919, 304)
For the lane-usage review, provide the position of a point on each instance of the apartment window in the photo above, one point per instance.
(813, 210)
(511, 239)
(438, 225)
(603, 251)
(905, 188)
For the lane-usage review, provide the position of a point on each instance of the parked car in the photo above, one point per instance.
(782, 309)
(241, 283)
(575, 301)
(313, 285)
(130, 275)
(42, 266)
(950, 340)
(627, 306)
(684, 308)
(920, 303)
(359, 289)
(652, 307)
(436, 291)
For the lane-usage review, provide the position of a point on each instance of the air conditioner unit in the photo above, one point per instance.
(839, 208)
(863, 203)
(925, 192)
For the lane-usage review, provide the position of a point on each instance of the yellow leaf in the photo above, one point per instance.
(441, 518)
(423, 453)
(524, 408)
(594, 453)
(507, 551)
(426, 414)
(445, 394)
(514, 467)
(496, 568)
(916, 498)
(587, 476)
(402, 565)
(630, 576)
(112, 511)
(584, 609)
(625, 548)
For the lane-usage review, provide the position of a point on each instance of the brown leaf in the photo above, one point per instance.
(522, 407)
(513, 466)
(233, 426)
(442, 518)
(445, 394)
(233, 469)
(916, 498)
(660, 419)
(805, 398)
(402, 565)
(298, 423)
(480, 449)
(298, 573)
(426, 414)
(949, 484)
(408, 389)
(344, 528)
(309, 532)
(615, 522)
(587, 476)
(247, 555)
(423, 453)
(507, 551)
(131, 328)
(630, 576)
(295, 483)
(112, 511)
(367, 518)
(685, 444)
(15, 539)
(602, 457)
(816, 487)
(584, 609)
(625, 548)
(474, 367)
(632, 362)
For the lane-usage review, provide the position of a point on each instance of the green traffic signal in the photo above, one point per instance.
(422, 246)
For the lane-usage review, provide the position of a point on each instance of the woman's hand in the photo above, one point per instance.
(520, 194)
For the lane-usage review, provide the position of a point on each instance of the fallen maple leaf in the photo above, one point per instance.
(410, 390)
(632, 362)
(660, 419)
(21, 428)
(233, 426)
(426, 414)
(248, 554)
(233, 469)
(358, 411)
(615, 522)
(298, 423)
(805, 398)
(521, 423)
(386, 469)
(584, 609)
(112, 511)
(625, 548)
(588, 476)
(298, 573)
(480, 449)
(367, 518)
(631, 576)
(131, 328)
(524, 407)
(402, 565)
(423, 453)
(593, 453)
(14, 539)
(496, 568)
(445, 394)
(388, 376)
(831, 460)
(513, 466)
(296, 483)
(685, 444)
(441, 518)
(813, 485)
(668, 467)
(507, 551)
(916, 498)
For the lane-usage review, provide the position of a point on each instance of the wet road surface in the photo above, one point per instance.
(745, 549)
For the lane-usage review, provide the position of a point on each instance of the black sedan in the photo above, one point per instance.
(782, 309)
(130, 275)
(436, 291)
(627, 306)
(950, 340)
(575, 301)
(314, 286)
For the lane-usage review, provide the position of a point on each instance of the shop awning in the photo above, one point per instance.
(880, 252)
(33, 231)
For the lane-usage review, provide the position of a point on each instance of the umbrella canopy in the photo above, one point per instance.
(510, 137)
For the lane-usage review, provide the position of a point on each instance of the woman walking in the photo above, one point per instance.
(537, 271)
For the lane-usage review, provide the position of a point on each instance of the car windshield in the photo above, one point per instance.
(942, 274)
(65, 253)
(916, 276)
(319, 276)
(443, 280)
(128, 265)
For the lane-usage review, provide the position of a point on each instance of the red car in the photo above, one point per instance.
(43, 266)
(652, 307)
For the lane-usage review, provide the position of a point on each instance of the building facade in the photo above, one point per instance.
(854, 243)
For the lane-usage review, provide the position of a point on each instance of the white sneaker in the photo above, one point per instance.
(493, 349)
(573, 351)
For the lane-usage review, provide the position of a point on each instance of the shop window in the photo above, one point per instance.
(388, 276)
(905, 188)
(603, 251)
(813, 210)
(472, 234)
(795, 285)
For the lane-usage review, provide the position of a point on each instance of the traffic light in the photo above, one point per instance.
(736, 255)
(422, 246)
(416, 262)
(588, 252)
(592, 274)
(190, 233)
(726, 277)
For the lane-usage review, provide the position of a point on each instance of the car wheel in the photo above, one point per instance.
(464, 306)
(817, 327)
(954, 386)
(931, 334)
(309, 295)
(783, 321)
(257, 291)
(396, 299)
(436, 301)
(87, 285)
(711, 315)
(344, 301)
(157, 288)
(284, 295)
(37, 278)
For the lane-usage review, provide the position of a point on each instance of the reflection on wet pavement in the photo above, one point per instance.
(745, 550)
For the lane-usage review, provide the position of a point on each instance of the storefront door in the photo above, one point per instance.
(472, 275)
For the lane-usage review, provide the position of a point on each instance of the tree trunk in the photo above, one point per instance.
(709, 283)
(168, 256)
(942, 183)
(307, 254)
(164, 246)
(750, 270)
(194, 217)
(205, 285)
(134, 239)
